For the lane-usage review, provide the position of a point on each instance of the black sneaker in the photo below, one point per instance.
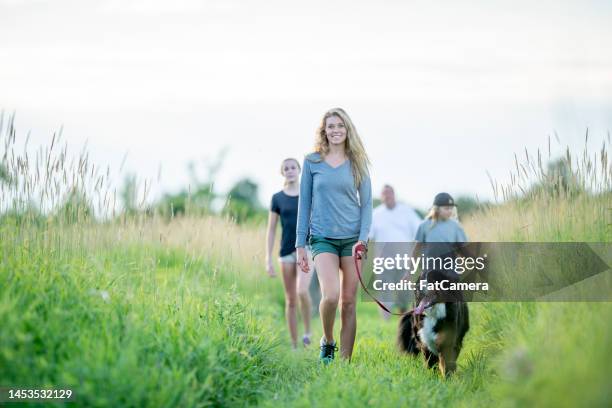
(327, 351)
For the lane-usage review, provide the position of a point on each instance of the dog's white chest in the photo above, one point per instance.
(426, 333)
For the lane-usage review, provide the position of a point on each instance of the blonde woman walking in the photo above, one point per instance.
(335, 208)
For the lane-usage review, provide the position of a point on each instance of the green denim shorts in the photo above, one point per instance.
(340, 247)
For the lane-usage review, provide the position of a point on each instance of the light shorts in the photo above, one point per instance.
(292, 257)
(340, 247)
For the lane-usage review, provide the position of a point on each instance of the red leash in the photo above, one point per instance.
(359, 252)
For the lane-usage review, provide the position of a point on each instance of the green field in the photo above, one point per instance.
(147, 312)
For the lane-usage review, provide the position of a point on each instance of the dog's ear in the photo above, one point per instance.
(406, 339)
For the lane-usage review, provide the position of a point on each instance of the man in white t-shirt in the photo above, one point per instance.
(393, 222)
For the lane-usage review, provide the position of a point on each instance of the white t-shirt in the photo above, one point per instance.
(398, 224)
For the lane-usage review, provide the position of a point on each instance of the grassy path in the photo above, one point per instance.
(378, 374)
(151, 326)
(128, 320)
(516, 354)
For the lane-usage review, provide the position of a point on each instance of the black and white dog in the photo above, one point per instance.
(435, 327)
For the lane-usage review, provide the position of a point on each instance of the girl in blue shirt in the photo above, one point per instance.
(335, 208)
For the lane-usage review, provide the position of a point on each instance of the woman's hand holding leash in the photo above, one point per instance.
(302, 260)
(360, 250)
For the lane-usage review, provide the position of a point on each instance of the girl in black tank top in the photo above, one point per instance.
(284, 205)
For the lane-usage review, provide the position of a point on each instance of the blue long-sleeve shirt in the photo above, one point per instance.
(330, 204)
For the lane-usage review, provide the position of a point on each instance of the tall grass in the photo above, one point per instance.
(552, 354)
(127, 311)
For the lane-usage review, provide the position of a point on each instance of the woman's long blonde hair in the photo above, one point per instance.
(353, 146)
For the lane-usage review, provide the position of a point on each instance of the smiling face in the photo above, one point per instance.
(335, 130)
(290, 170)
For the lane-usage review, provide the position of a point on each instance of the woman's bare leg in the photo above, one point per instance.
(348, 304)
(303, 284)
(289, 282)
(327, 265)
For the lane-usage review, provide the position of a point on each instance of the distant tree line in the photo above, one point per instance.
(241, 204)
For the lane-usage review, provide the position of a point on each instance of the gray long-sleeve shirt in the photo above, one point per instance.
(330, 204)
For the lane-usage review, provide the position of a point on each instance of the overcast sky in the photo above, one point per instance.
(440, 93)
